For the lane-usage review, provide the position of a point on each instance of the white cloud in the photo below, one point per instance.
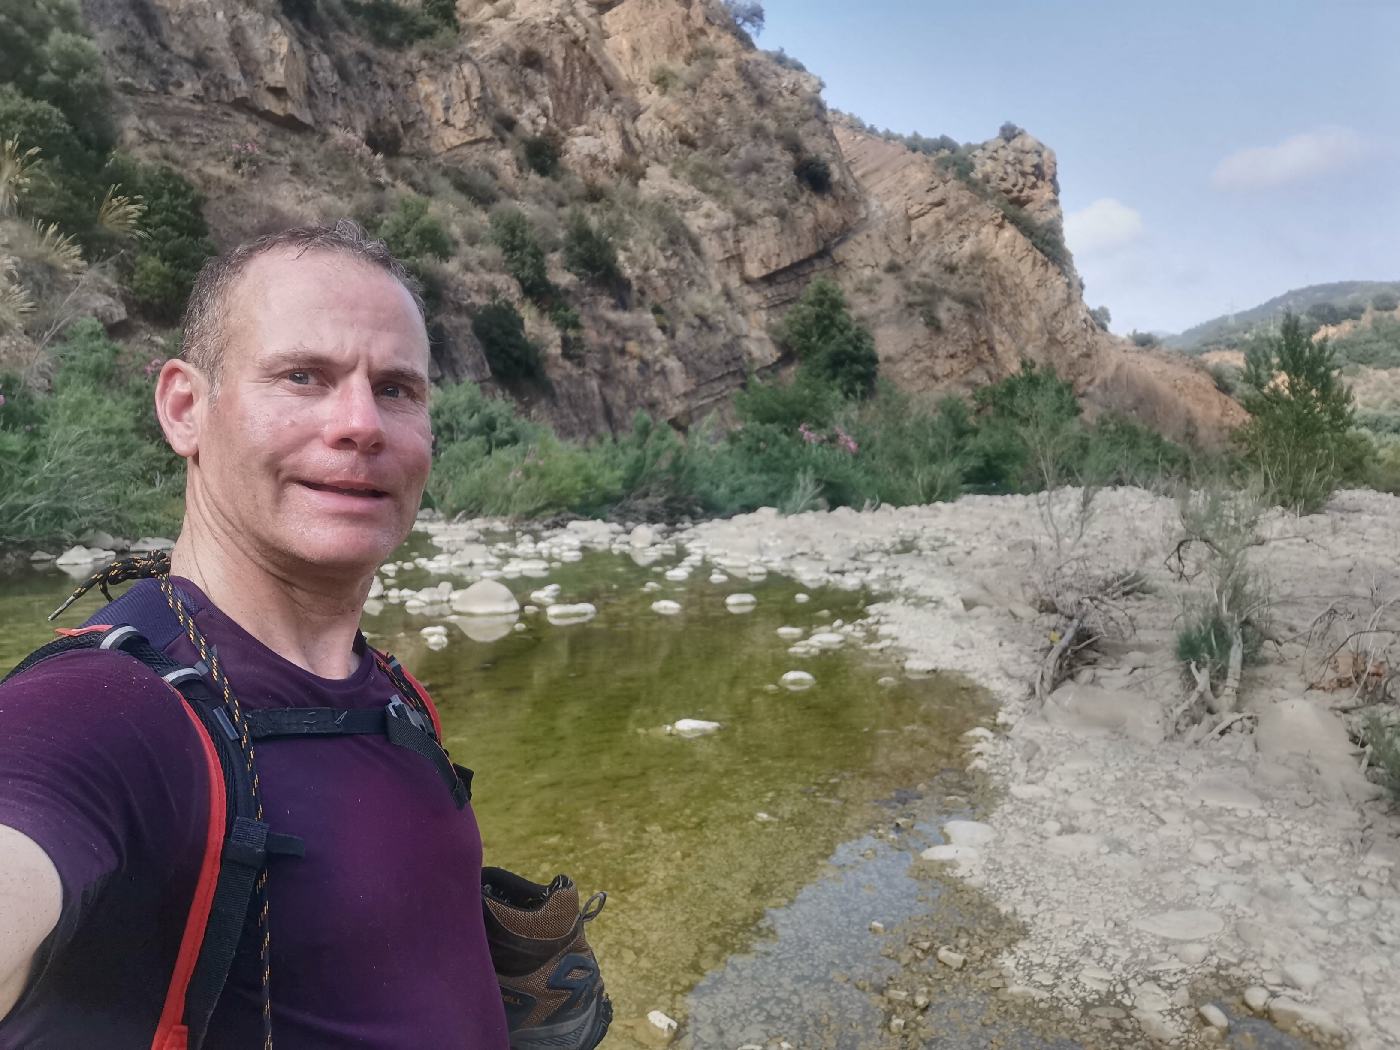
(1102, 226)
(1297, 158)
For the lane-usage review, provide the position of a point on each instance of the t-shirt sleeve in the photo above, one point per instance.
(102, 768)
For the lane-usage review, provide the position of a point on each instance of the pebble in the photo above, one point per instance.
(740, 601)
(827, 640)
(950, 958)
(691, 727)
(797, 681)
(1302, 974)
(666, 607)
(566, 614)
(1256, 998)
(877, 927)
(1214, 1016)
(790, 634)
(665, 1025)
(801, 599)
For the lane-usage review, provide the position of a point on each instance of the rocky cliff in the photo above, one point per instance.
(676, 135)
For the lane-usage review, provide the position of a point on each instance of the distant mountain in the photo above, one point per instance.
(1228, 329)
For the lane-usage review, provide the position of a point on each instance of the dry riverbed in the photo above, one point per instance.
(1163, 888)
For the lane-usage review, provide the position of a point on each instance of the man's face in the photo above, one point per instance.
(314, 453)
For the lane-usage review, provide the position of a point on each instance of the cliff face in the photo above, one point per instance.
(679, 137)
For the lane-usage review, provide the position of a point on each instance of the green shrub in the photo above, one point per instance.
(589, 253)
(1101, 317)
(1376, 346)
(413, 233)
(786, 61)
(395, 24)
(1382, 736)
(829, 342)
(500, 329)
(1385, 302)
(176, 241)
(443, 12)
(476, 184)
(1144, 340)
(541, 155)
(813, 172)
(461, 412)
(45, 54)
(665, 79)
(87, 455)
(525, 260)
(1298, 437)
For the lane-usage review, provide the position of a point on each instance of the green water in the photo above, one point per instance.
(563, 726)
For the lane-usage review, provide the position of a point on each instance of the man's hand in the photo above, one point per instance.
(31, 897)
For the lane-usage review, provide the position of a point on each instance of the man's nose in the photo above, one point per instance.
(354, 420)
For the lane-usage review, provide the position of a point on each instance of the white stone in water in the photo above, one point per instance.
(488, 628)
(718, 577)
(1214, 1016)
(432, 629)
(740, 602)
(373, 606)
(918, 666)
(666, 607)
(691, 727)
(677, 575)
(545, 595)
(436, 641)
(389, 568)
(80, 555)
(827, 640)
(801, 599)
(790, 633)
(665, 1025)
(797, 681)
(651, 585)
(1256, 998)
(566, 614)
(376, 588)
(950, 854)
(642, 536)
(885, 681)
(485, 598)
(969, 833)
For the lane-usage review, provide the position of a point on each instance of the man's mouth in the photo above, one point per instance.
(347, 488)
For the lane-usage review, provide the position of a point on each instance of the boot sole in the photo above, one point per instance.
(583, 1032)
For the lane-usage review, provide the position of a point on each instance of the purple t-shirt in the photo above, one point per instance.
(377, 933)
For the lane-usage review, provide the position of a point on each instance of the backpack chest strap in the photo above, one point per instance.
(401, 724)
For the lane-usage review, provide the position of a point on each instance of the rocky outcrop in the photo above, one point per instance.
(689, 138)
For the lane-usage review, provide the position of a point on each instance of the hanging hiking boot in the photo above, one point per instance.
(548, 974)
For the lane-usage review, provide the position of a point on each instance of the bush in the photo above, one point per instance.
(1298, 438)
(413, 234)
(89, 454)
(500, 329)
(747, 14)
(476, 184)
(786, 61)
(525, 260)
(395, 24)
(1101, 317)
(1144, 339)
(461, 412)
(1028, 437)
(813, 172)
(46, 55)
(589, 253)
(819, 329)
(665, 79)
(1376, 346)
(1382, 736)
(1385, 302)
(1009, 131)
(541, 155)
(176, 241)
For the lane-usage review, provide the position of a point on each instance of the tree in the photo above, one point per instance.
(1385, 302)
(500, 329)
(829, 342)
(589, 253)
(1299, 438)
(1101, 317)
(747, 14)
(511, 233)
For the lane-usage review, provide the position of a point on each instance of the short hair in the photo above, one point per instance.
(205, 321)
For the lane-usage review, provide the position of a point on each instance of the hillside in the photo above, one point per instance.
(705, 177)
(1228, 330)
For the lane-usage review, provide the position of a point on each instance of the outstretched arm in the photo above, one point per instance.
(30, 899)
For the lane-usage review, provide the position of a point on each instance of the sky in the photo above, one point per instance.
(1211, 155)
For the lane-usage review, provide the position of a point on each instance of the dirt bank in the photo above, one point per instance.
(1143, 868)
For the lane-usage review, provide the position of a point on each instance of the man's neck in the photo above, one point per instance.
(311, 622)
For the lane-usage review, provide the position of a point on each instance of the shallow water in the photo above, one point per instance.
(741, 874)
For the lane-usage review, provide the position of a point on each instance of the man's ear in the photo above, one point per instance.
(182, 394)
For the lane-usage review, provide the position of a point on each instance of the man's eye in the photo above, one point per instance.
(392, 391)
(300, 378)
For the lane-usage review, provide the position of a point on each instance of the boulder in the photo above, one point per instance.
(485, 598)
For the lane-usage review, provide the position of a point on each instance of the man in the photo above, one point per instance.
(300, 406)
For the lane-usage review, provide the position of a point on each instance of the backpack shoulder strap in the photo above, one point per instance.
(236, 844)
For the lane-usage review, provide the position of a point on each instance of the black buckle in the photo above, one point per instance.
(398, 709)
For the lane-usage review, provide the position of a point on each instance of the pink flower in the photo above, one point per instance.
(2, 400)
(846, 441)
(808, 435)
(153, 366)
